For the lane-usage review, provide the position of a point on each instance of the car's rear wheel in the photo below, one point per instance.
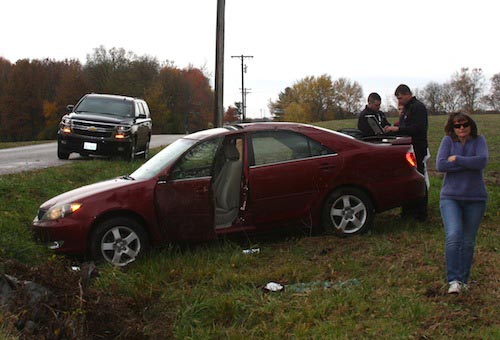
(118, 241)
(347, 211)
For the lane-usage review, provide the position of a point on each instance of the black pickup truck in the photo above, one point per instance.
(105, 125)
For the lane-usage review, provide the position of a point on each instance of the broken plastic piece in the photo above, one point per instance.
(273, 287)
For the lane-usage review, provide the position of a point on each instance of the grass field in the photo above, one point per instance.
(388, 283)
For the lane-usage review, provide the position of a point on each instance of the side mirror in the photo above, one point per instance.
(70, 108)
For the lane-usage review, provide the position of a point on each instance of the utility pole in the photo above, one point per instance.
(243, 90)
(219, 65)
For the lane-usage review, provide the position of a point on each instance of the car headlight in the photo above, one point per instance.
(122, 131)
(65, 125)
(60, 211)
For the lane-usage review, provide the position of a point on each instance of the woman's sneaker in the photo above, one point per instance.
(454, 287)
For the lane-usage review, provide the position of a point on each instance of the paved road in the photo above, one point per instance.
(25, 158)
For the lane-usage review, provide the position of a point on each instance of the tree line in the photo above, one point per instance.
(34, 93)
(323, 98)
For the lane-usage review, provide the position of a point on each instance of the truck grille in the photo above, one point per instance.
(94, 129)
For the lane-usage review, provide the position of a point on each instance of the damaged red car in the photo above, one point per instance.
(239, 178)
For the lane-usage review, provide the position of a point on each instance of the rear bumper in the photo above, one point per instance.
(403, 190)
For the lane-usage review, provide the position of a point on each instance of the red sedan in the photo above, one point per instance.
(247, 177)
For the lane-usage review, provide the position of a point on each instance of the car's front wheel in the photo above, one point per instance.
(61, 153)
(130, 156)
(118, 241)
(347, 211)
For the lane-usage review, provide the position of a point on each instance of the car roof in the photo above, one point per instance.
(111, 96)
(260, 126)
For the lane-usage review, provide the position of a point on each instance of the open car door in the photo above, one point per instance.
(184, 200)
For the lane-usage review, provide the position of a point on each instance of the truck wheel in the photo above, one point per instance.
(146, 151)
(118, 241)
(130, 156)
(61, 153)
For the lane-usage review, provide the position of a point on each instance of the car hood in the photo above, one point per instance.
(83, 193)
(104, 118)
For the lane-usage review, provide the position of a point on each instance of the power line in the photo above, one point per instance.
(243, 90)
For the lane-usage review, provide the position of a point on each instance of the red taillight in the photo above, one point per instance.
(410, 158)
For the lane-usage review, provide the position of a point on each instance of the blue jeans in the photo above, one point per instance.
(461, 221)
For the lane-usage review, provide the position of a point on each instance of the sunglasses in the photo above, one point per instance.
(464, 125)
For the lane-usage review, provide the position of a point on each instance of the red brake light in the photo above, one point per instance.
(410, 158)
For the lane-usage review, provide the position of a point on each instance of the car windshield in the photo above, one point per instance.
(110, 106)
(162, 159)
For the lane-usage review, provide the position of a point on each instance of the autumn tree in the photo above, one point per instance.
(317, 99)
(70, 87)
(180, 100)
(348, 97)
(5, 67)
(232, 114)
(22, 101)
(120, 72)
(277, 108)
(310, 99)
(493, 98)
(199, 99)
(161, 99)
(470, 85)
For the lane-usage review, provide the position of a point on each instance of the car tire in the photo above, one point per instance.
(61, 153)
(118, 241)
(347, 211)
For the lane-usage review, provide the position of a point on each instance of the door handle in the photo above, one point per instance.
(202, 190)
(327, 166)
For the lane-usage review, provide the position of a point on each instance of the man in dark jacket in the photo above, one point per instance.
(413, 122)
(372, 109)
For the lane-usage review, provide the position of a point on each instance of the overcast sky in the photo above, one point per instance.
(379, 44)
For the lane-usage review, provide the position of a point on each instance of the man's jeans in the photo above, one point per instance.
(461, 221)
